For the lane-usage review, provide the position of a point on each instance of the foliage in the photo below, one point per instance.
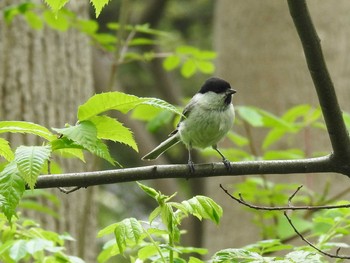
(188, 59)
(157, 240)
(26, 241)
(25, 164)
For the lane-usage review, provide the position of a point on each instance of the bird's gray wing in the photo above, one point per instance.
(185, 113)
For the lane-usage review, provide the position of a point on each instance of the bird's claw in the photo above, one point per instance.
(227, 164)
(191, 166)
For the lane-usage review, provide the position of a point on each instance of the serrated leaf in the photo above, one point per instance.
(5, 150)
(204, 207)
(56, 5)
(111, 129)
(30, 161)
(128, 232)
(107, 101)
(85, 135)
(236, 255)
(12, 187)
(98, 5)
(26, 127)
(118, 101)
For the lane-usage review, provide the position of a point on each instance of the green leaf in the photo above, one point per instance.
(38, 244)
(250, 115)
(149, 190)
(98, 5)
(171, 62)
(118, 101)
(18, 250)
(273, 136)
(11, 11)
(107, 230)
(195, 260)
(128, 232)
(88, 27)
(107, 101)
(33, 20)
(26, 127)
(5, 150)
(58, 21)
(204, 207)
(188, 68)
(206, 67)
(296, 112)
(147, 252)
(237, 255)
(85, 135)
(30, 161)
(111, 129)
(56, 5)
(12, 187)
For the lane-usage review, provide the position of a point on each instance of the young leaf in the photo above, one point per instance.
(127, 233)
(118, 101)
(107, 101)
(149, 190)
(188, 68)
(12, 187)
(111, 129)
(56, 21)
(98, 5)
(5, 150)
(56, 5)
(26, 127)
(171, 62)
(204, 207)
(18, 250)
(85, 135)
(30, 161)
(250, 115)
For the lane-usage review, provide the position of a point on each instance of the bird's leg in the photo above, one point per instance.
(224, 160)
(190, 162)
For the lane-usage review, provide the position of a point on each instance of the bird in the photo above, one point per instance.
(205, 121)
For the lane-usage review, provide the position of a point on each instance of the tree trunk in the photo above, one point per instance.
(44, 76)
(260, 54)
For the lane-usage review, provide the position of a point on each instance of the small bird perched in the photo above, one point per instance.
(207, 118)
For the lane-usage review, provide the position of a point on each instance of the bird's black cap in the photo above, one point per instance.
(216, 85)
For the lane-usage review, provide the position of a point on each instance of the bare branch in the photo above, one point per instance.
(324, 87)
(336, 255)
(282, 208)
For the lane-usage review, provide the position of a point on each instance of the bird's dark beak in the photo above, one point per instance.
(231, 91)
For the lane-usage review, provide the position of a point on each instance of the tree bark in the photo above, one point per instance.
(44, 76)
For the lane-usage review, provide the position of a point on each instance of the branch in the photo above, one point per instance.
(85, 179)
(283, 208)
(324, 87)
(336, 255)
(291, 207)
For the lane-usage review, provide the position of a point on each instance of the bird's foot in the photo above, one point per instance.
(227, 164)
(191, 166)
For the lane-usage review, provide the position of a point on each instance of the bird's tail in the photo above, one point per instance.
(154, 154)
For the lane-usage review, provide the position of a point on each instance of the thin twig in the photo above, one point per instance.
(282, 208)
(336, 255)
